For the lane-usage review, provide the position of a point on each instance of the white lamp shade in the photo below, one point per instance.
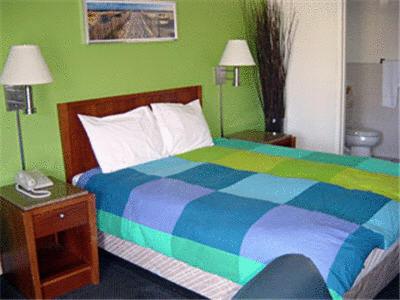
(237, 53)
(25, 66)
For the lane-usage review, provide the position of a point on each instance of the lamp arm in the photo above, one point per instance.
(20, 141)
(236, 77)
(221, 112)
(29, 108)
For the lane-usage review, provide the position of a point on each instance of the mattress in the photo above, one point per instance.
(219, 208)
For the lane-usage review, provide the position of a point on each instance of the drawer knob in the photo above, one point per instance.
(61, 216)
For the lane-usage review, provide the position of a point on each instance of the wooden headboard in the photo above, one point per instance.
(77, 151)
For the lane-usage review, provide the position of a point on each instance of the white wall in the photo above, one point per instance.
(372, 30)
(314, 89)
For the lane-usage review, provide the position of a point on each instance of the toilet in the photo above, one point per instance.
(361, 141)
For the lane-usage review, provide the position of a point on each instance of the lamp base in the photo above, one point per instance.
(15, 97)
(19, 97)
(220, 75)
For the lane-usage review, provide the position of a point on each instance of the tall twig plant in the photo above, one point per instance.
(270, 34)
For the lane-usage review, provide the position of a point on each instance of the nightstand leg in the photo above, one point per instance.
(293, 142)
(93, 237)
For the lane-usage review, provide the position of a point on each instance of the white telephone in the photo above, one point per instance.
(29, 183)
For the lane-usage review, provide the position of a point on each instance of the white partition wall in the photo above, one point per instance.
(372, 31)
(316, 77)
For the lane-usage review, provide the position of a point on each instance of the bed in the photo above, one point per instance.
(212, 218)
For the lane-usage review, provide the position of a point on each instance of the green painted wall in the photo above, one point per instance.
(83, 71)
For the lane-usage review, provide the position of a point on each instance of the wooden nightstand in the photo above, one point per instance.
(279, 139)
(49, 246)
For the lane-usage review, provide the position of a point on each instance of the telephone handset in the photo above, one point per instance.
(29, 183)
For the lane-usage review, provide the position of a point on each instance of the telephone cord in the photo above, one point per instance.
(36, 194)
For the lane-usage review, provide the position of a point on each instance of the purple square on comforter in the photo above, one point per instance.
(164, 197)
(287, 229)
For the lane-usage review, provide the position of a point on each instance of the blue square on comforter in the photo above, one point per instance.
(113, 189)
(346, 266)
(268, 187)
(166, 166)
(351, 205)
(212, 176)
(223, 221)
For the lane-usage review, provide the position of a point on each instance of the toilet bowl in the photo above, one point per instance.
(361, 141)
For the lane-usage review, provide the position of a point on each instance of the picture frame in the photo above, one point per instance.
(129, 21)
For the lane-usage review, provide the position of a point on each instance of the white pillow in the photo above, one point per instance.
(124, 140)
(183, 127)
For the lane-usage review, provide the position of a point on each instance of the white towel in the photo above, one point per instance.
(390, 83)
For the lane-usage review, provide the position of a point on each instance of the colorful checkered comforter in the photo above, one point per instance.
(233, 208)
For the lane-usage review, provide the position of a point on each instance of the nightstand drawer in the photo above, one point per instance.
(56, 220)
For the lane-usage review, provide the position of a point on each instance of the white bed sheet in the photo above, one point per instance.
(75, 179)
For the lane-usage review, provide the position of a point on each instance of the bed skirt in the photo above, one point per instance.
(380, 268)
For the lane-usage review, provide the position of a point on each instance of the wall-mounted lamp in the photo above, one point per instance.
(24, 67)
(236, 54)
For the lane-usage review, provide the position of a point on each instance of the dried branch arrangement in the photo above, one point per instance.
(270, 33)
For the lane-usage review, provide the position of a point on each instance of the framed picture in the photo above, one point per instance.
(129, 21)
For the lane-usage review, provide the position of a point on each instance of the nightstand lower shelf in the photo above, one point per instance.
(57, 261)
(68, 280)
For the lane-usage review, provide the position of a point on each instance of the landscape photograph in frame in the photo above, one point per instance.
(129, 21)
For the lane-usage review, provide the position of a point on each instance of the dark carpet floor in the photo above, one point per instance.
(118, 280)
(122, 280)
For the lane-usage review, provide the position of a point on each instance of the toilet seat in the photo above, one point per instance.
(363, 132)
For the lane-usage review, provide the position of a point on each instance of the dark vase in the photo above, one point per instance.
(273, 124)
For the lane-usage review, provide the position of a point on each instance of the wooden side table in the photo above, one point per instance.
(279, 139)
(49, 246)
